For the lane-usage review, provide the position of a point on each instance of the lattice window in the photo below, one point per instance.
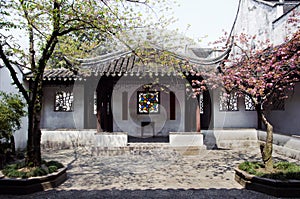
(95, 103)
(228, 102)
(148, 102)
(249, 105)
(63, 101)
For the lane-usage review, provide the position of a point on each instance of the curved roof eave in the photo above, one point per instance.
(117, 55)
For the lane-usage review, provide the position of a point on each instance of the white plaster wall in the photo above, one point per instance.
(233, 119)
(6, 86)
(255, 18)
(78, 113)
(163, 125)
(59, 120)
(288, 121)
(281, 28)
(262, 20)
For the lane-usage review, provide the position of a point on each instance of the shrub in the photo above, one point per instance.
(282, 170)
(58, 165)
(251, 167)
(20, 170)
(11, 112)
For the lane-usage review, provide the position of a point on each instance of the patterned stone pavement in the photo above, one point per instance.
(152, 173)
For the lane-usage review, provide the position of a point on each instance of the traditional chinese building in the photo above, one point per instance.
(125, 92)
(147, 96)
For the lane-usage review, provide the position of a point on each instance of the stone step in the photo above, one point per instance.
(138, 148)
(149, 145)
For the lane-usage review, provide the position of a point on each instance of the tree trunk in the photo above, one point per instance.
(34, 130)
(259, 115)
(198, 119)
(13, 145)
(267, 147)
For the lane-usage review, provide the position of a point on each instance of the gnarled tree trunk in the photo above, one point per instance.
(267, 147)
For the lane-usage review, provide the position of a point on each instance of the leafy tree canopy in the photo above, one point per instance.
(36, 34)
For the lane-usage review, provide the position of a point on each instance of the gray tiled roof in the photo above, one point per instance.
(288, 5)
(61, 74)
(129, 63)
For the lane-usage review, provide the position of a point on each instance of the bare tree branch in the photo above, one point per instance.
(13, 74)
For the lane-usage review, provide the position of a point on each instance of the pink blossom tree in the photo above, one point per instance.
(262, 75)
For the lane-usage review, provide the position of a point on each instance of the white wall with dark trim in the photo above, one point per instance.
(62, 120)
(162, 123)
(232, 119)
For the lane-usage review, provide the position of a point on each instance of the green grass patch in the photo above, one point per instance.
(21, 170)
(281, 170)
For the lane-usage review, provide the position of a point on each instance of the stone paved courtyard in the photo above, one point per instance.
(155, 173)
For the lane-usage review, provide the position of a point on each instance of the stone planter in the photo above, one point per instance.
(277, 188)
(18, 186)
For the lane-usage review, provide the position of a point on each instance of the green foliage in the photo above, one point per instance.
(11, 112)
(56, 164)
(281, 170)
(40, 171)
(20, 170)
(251, 167)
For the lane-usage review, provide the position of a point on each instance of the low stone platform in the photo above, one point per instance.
(65, 139)
(230, 138)
(184, 139)
(114, 143)
(139, 148)
(114, 139)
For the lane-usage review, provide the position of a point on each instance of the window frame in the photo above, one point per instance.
(248, 100)
(138, 102)
(232, 95)
(71, 96)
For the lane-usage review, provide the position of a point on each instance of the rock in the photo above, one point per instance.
(1, 175)
(44, 167)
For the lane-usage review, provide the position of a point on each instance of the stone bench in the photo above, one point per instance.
(114, 139)
(178, 139)
(66, 138)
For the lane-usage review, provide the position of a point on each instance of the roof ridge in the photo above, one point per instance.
(105, 58)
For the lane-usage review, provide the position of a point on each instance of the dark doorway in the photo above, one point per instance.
(132, 139)
(205, 112)
(104, 106)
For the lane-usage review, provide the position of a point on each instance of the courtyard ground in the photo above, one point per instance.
(156, 173)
